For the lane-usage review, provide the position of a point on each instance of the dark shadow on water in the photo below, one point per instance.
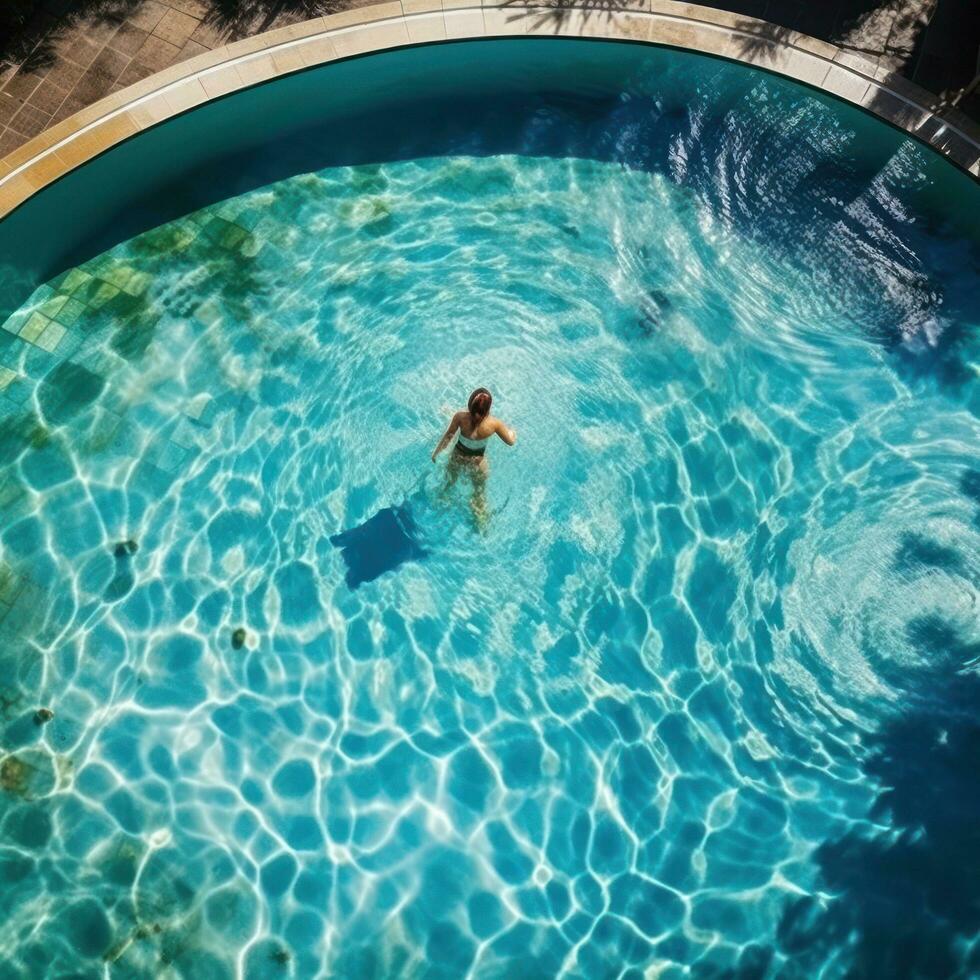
(761, 43)
(917, 553)
(906, 902)
(970, 488)
(379, 545)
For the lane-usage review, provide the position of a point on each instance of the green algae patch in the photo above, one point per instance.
(132, 340)
(13, 775)
(368, 179)
(67, 390)
(28, 775)
(21, 432)
(164, 241)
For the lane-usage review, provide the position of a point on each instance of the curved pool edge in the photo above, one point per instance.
(404, 23)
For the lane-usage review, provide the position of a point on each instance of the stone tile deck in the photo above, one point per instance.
(80, 59)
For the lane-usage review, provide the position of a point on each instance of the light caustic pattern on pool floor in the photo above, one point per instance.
(694, 701)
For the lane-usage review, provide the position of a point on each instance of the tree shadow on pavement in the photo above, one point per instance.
(32, 32)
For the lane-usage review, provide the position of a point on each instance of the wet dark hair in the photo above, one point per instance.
(479, 404)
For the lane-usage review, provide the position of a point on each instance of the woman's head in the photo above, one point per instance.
(479, 404)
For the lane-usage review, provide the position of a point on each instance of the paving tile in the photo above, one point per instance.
(101, 137)
(29, 121)
(128, 39)
(9, 141)
(99, 29)
(185, 96)
(464, 23)
(222, 81)
(510, 20)
(147, 15)
(9, 107)
(156, 53)
(890, 62)
(22, 85)
(196, 8)
(960, 119)
(210, 35)
(78, 48)
(151, 111)
(69, 107)
(846, 84)
(191, 49)
(257, 69)
(64, 74)
(42, 172)
(859, 61)
(103, 74)
(176, 27)
(134, 73)
(430, 28)
(110, 63)
(897, 110)
(48, 97)
(354, 16)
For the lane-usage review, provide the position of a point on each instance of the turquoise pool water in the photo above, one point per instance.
(699, 700)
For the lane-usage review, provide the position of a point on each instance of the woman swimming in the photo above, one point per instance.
(476, 426)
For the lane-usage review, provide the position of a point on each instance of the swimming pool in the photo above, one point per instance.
(701, 698)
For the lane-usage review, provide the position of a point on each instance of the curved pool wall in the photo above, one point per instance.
(267, 107)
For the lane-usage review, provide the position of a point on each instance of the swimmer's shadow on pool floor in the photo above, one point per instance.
(379, 545)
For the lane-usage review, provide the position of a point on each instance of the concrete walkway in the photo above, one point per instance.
(79, 52)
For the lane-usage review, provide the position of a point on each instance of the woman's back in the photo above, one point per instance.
(476, 430)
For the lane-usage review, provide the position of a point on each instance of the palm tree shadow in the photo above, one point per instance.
(30, 36)
(906, 902)
(761, 42)
(33, 32)
(241, 18)
(555, 14)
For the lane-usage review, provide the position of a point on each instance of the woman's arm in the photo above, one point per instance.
(447, 436)
(507, 434)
